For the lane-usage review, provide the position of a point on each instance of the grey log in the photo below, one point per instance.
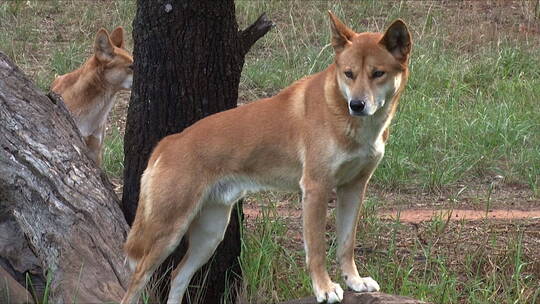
(363, 298)
(61, 203)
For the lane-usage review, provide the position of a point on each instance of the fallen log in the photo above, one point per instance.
(363, 298)
(54, 200)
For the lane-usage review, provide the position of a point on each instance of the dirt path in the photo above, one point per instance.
(421, 215)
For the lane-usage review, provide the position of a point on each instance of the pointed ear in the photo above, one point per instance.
(341, 34)
(103, 47)
(117, 37)
(397, 40)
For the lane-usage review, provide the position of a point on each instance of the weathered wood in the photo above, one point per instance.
(363, 298)
(188, 58)
(57, 197)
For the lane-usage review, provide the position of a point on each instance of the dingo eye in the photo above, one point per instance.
(349, 74)
(378, 74)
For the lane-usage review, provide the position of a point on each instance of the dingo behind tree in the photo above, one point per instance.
(89, 91)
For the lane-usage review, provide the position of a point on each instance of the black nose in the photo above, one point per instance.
(357, 105)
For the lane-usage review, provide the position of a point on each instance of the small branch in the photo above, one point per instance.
(363, 298)
(254, 32)
(55, 98)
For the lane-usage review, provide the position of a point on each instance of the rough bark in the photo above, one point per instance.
(188, 59)
(54, 195)
(363, 298)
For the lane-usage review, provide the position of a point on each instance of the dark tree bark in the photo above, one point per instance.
(188, 59)
(363, 298)
(59, 216)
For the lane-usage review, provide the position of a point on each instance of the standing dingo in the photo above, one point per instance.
(324, 132)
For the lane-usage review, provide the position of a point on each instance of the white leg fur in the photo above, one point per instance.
(366, 284)
(204, 234)
(348, 208)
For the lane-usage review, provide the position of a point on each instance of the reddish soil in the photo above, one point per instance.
(419, 215)
(503, 202)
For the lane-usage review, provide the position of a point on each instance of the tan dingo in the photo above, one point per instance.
(89, 91)
(324, 132)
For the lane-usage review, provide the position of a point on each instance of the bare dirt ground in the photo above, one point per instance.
(475, 202)
(418, 215)
(503, 204)
(422, 215)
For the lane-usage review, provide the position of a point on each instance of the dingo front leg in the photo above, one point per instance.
(314, 203)
(349, 201)
(94, 142)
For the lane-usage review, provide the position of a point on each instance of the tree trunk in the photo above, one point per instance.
(188, 58)
(363, 298)
(54, 195)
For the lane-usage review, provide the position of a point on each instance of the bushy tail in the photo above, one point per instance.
(137, 242)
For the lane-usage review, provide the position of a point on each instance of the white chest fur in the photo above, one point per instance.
(370, 148)
(91, 121)
(349, 164)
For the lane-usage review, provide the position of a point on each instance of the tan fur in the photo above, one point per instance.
(304, 138)
(89, 91)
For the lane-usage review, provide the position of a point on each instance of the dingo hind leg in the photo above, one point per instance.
(204, 235)
(150, 241)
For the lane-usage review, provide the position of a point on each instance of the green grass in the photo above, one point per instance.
(464, 115)
(462, 119)
(437, 261)
(270, 270)
(469, 113)
(113, 154)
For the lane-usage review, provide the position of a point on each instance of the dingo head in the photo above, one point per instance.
(371, 67)
(115, 61)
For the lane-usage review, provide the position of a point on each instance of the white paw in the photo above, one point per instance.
(334, 294)
(359, 284)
